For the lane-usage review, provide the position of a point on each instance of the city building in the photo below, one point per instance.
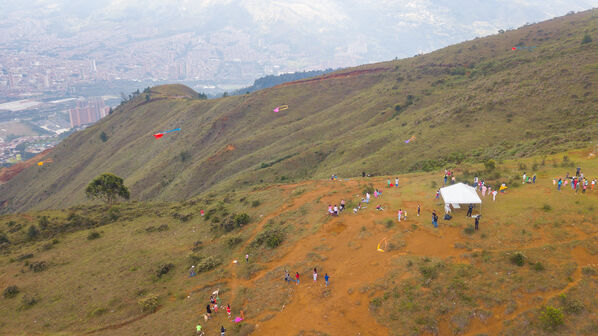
(88, 111)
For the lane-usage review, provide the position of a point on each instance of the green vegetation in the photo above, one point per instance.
(107, 187)
(461, 89)
(10, 292)
(551, 317)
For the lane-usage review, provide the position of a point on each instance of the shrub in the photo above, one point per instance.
(164, 269)
(469, 230)
(198, 245)
(390, 223)
(28, 302)
(163, 227)
(272, 238)
(184, 156)
(368, 189)
(588, 270)
(518, 259)
(10, 292)
(22, 257)
(255, 204)
(586, 39)
(43, 222)
(103, 137)
(234, 241)
(37, 266)
(490, 165)
(546, 207)
(149, 304)
(538, 267)
(429, 272)
(208, 264)
(241, 219)
(551, 317)
(376, 302)
(93, 235)
(4, 239)
(571, 306)
(32, 232)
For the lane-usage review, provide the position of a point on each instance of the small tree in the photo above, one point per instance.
(103, 136)
(107, 187)
(490, 165)
(586, 39)
(32, 232)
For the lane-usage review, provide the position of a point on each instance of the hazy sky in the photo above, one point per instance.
(301, 34)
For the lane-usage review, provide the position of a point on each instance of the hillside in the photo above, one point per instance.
(468, 102)
(86, 270)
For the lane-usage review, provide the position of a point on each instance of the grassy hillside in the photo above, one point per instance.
(468, 102)
(88, 269)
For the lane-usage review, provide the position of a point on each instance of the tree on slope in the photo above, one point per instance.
(107, 187)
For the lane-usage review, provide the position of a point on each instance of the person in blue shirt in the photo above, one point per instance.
(326, 277)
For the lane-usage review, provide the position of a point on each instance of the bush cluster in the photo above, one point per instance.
(149, 304)
(164, 269)
(93, 235)
(10, 292)
(271, 237)
(518, 259)
(208, 264)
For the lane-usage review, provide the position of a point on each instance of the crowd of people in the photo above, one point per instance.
(212, 308)
(577, 182)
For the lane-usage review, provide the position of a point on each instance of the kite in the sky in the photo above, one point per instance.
(280, 108)
(41, 163)
(519, 48)
(382, 247)
(159, 135)
(410, 139)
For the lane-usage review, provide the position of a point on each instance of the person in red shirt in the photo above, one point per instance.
(228, 310)
(297, 277)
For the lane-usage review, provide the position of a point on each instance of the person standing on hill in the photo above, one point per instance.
(396, 181)
(445, 178)
(192, 271)
(228, 311)
(437, 193)
(593, 183)
(469, 210)
(222, 331)
(342, 204)
(494, 193)
(246, 257)
(524, 177)
(297, 277)
(534, 178)
(335, 210)
(315, 274)
(208, 311)
(418, 209)
(400, 214)
(367, 197)
(435, 219)
(388, 183)
(559, 184)
(477, 221)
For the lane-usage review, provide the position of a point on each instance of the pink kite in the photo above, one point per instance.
(280, 108)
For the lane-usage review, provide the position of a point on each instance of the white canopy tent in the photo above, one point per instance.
(460, 194)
